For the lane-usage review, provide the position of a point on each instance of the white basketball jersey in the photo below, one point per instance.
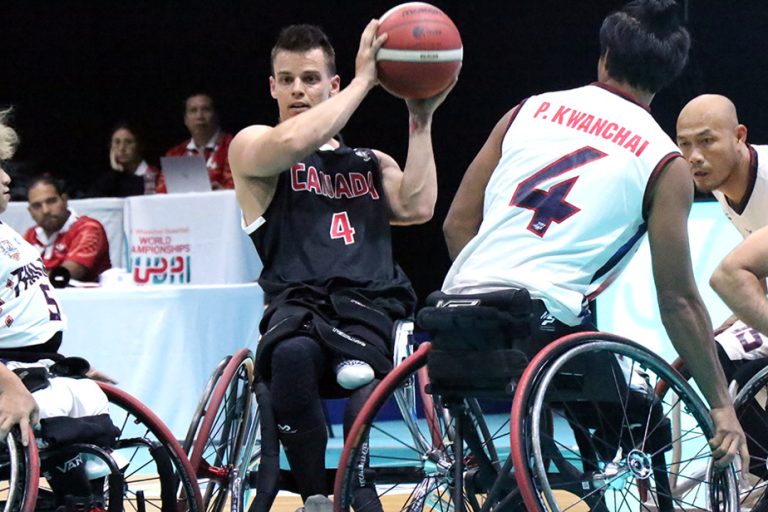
(29, 311)
(563, 210)
(743, 342)
(755, 214)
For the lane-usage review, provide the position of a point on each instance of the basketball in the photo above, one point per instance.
(423, 52)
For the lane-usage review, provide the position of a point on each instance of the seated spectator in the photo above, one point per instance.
(129, 173)
(208, 141)
(64, 239)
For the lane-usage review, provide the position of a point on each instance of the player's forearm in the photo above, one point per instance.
(457, 232)
(689, 328)
(418, 190)
(303, 134)
(9, 381)
(744, 293)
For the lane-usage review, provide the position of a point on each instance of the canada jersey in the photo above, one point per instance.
(563, 209)
(327, 226)
(29, 311)
(752, 214)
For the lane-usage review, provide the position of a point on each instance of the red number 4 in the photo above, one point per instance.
(341, 228)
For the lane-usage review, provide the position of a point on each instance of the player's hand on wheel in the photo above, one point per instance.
(18, 407)
(730, 440)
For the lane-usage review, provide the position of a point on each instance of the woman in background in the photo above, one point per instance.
(129, 173)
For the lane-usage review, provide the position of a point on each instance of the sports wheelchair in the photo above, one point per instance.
(142, 468)
(586, 429)
(224, 441)
(476, 418)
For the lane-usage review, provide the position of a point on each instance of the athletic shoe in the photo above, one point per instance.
(318, 503)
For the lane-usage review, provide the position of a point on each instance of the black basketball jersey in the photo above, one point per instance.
(328, 227)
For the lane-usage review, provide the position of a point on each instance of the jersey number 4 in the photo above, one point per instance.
(550, 205)
(341, 228)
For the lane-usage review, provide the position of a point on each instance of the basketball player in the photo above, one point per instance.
(32, 323)
(318, 213)
(567, 185)
(725, 164)
(736, 173)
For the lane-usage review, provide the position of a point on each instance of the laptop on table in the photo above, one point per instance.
(185, 174)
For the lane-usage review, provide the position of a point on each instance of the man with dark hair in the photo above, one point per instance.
(207, 140)
(319, 214)
(567, 185)
(75, 243)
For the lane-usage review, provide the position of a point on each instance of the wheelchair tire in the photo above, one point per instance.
(19, 474)
(750, 405)
(218, 444)
(609, 466)
(197, 417)
(157, 474)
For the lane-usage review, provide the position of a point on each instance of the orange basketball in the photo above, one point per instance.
(423, 52)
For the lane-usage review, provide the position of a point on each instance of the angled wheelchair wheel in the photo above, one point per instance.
(217, 451)
(407, 461)
(156, 473)
(609, 442)
(751, 406)
(19, 474)
(197, 417)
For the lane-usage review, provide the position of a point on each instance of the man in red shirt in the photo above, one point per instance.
(77, 243)
(208, 141)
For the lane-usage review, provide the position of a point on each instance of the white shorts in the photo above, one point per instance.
(71, 397)
(66, 396)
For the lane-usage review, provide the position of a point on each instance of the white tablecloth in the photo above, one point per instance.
(161, 343)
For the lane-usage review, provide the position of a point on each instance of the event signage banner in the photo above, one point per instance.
(192, 238)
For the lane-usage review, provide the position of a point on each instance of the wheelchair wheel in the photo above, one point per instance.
(411, 459)
(19, 474)
(609, 444)
(217, 449)
(156, 472)
(197, 417)
(751, 408)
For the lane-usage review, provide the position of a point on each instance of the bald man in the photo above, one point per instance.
(736, 173)
(722, 162)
